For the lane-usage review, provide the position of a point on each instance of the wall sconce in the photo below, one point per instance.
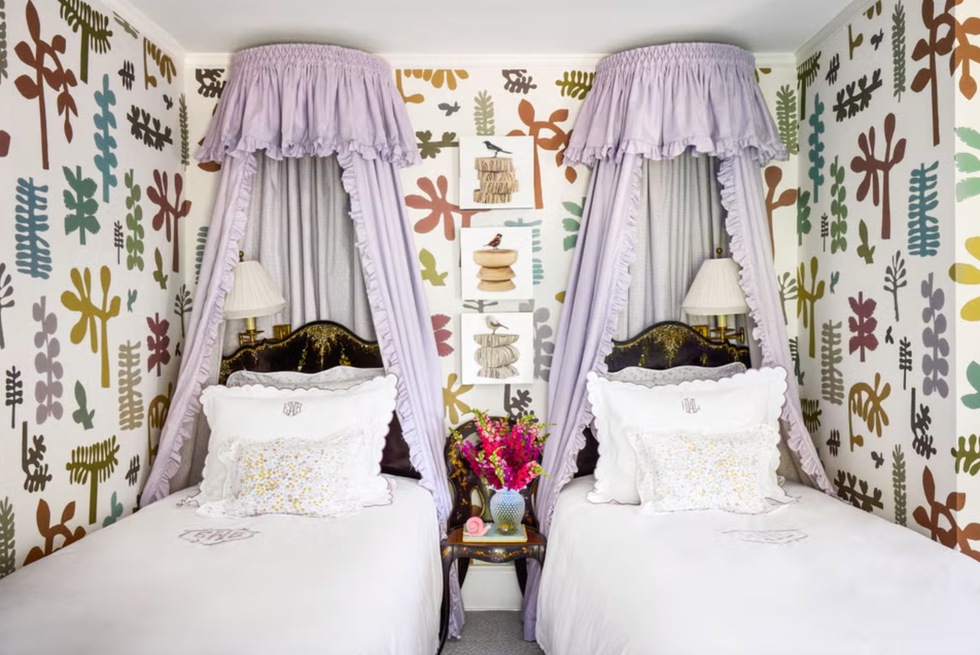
(716, 292)
(252, 294)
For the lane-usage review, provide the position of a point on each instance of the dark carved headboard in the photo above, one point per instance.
(664, 345)
(316, 347)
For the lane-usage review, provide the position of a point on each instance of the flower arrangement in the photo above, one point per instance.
(507, 454)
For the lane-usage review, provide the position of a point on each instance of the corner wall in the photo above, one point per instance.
(883, 380)
(90, 340)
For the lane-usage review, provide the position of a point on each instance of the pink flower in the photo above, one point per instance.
(507, 451)
(475, 527)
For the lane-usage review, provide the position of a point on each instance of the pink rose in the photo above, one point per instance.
(475, 527)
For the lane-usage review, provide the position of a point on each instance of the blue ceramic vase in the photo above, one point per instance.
(507, 511)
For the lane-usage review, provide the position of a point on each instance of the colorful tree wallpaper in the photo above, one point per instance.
(896, 373)
(71, 170)
(875, 240)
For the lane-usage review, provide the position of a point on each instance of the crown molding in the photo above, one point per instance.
(398, 60)
(223, 60)
(148, 27)
(768, 59)
(208, 60)
(839, 21)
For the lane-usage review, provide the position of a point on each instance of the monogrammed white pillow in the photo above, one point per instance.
(700, 407)
(258, 414)
(734, 471)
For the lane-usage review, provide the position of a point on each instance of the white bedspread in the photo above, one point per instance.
(168, 581)
(818, 576)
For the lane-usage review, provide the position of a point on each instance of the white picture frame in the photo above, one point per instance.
(506, 353)
(504, 272)
(511, 187)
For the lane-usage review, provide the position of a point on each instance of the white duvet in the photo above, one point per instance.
(168, 581)
(817, 576)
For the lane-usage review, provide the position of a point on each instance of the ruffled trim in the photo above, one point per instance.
(663, 101)
(799, 438)
(157, 489)
(240, 146)
(620, 296)
(432, 481)
(295, 100)
(760, 151)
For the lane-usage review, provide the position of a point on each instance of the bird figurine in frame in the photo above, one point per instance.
(497, 172)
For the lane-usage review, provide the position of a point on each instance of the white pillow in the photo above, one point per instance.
(289, 476)
(700, 407)
(338, 377)
(261, 414)
(649, 377)
(734, 472)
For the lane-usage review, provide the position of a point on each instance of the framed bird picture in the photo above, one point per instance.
(496, 172)
(497, 263)
(497, 348)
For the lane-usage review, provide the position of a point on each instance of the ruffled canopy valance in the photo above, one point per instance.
(301, 99)
(661, 101)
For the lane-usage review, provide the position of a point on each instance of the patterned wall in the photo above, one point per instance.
(92, 303)
(883, 326)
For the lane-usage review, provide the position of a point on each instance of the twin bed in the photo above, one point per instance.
(817, 576)
(166, 580)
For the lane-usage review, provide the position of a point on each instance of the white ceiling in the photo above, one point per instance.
(490, 26)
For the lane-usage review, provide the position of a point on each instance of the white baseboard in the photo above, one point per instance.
(491, 587)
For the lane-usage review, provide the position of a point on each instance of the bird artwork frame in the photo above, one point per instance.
(496, 263)
(497, 348)
(496, 172)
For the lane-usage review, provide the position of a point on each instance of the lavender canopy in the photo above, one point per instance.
(659, 103)
(312, 100)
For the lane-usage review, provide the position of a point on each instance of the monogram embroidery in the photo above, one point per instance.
(690, 405)
(292, 408)
(217, 536)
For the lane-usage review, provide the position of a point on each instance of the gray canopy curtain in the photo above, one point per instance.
(307, 103)
(660, 103)
(299, 229)
(680, 223)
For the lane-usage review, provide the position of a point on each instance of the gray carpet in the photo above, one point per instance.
(492, 633)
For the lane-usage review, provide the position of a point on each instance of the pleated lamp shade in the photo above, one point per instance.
(715, 290)
(252, 293)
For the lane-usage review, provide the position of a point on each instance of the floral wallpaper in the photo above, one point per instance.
(90, 335)
(887, 335)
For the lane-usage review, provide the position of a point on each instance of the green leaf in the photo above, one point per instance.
(570, 241)
(865, 251)
(573, 209)
(967, 188)
(570, 224)
(82, 415)
(969, 136)
(429, 272)
(972, 400)
(967, 162)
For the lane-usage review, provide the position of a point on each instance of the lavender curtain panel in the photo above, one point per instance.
(292, 101)
(659, 103)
